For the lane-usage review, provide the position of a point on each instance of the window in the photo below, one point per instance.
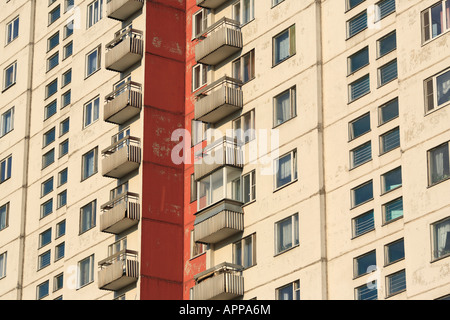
(286, 234)
(384, 8)
(364, 264)
(359, 126)
(244, 251)
(359, 88)
(49, 137)
(66, 78)
(367, 292)
(86, 271)
(198, 131)
(62, 199)
(438, 164)
(53, 41)
(286, 169)
(68, 50)
(395, 283)
(91, 112)
(9, 75)
(51, 88)
(62, 177)
(285, 106)
(50, 110)
(66, 99)
(249, 187)
(362, 193)
(275, 2)
(60, 229)
(391, 180)
(390, 140)
(64, 127)
(350, 4)
(46, 208)
(387, 73)
(388, 111)
(358, 60)
(244, 11)
(46, 187)
(394, 251)
(54, 15)
(244, 128)
(361, 155)
(3, 265)
(4, 215)
(64, 148)
(193, 188)
(48, 158)
(441, 238)
(5, 169)
(12, 30)
(68, 29)
(53, 61)
(435, 20)
(88, 216)
(393, 210)
(357, 24)
(59, 251)
(363, 223)
(196, 248)
(199, 76)
(244, 67)
(386, 44)
(68, 4)
(45, 238)
(44, 260)
(284, 45)
(92, 61)
(437, 90)
(94, 12)
(7, 122)
(42, 290)
(199, 23)
(58, 282)
(289, 292)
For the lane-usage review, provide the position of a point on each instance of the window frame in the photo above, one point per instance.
(292, 45)
(293, 169)
(295, 234)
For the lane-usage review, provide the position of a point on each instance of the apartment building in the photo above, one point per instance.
(215, 149)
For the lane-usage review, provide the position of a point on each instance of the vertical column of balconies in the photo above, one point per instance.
(123, 156)
(219, 165)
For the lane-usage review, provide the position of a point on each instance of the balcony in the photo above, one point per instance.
(223, 282)
(121, 158)
(223, 152)
(218, 100)
(123, 103)
(219, 41)
(219, 222)
(210, 4)
(118, 270)
(123, 9)
(125, 50)
(120, 213)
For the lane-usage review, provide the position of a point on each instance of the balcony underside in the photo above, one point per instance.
(219, 222)
(123, 107)
(218, 46)
(123, 9)
(124, 55)
(223, 286)
(118, 275)
(219, 104)
(121, 162)
(120, 218)
(210, 4)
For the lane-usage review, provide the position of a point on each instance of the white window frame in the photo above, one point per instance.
(432, 81)
(90, 275)
(197, 249)
(94, 112)
(292, 105)
(294, 286)
(200, 77)
(14, 75)
(428, 28)
(11, 30)
(203, 22)
(92, 17)
(293, 169)
(244, 253)
(295, 233)
(97, 50)
(4, 259)
(7, 127)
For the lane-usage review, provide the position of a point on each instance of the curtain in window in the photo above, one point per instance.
(283, 108)
(284, 170)
(246, 11)
(89, 164)
(285, 293)
(443, 88)
(7, 123)
(447, 6)
(443, 238)
(86, 218)
(285, 235)
(282, 47)
(84, 267)
(436, 20)
(92, 62)
(439, 164)
(248, 252)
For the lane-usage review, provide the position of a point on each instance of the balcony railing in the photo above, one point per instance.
(120, 213)
(218, 100)
(123, 9)
(123, 103)
(210, 4)
(219, 41)
(223, 152)
(219, 222)
(118, 270)
(121, 158)
(125, 50)
(223, 282)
